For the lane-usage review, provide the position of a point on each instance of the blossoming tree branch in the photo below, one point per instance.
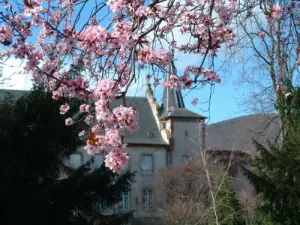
(115, 42)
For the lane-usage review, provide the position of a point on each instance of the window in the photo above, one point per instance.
(186, 133)
(148, 199)
(124, 203)
(185, 160)
(147, 164)
(75, 161)
(150, 134)
(98, 159)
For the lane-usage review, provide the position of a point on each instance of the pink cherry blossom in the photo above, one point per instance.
(116, 160)
(96, 128)
(85, 108)
(106, 90)
(147, 55)
(211, 76)
(276, 11)
(113, 49)
(127, 118)
(56, 95)
(89, 119)
(195, 101)
(64, 109)
(262, 35)
(6, 34)
(69, 121)
(116, 5)
(81, 133)
(224, 14)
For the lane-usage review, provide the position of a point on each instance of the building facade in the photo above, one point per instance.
(169, 135)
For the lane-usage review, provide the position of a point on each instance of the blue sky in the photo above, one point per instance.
(223, 103)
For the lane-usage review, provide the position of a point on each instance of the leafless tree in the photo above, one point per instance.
(190, 195)
(268, 55)
(184, 195)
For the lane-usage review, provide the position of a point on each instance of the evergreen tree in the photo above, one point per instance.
(228, 207)
(275, 173)
(261, 217)
(35, 145)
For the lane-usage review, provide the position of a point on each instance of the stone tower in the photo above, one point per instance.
(180, 127)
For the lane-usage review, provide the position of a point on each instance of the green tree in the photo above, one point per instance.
(35, 145)
(228, 207)
(261, 217)
(275, 172)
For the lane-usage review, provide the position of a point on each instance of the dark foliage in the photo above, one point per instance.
(35, 144)
(275, 173)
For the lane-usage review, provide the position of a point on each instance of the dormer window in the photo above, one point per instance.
(185, 160)
(150, 134)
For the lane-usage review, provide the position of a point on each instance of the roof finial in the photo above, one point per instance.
(149, 89)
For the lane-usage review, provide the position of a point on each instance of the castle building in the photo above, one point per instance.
(172, 138)
(165, 139)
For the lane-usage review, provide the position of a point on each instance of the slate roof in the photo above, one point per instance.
(172, 98)
(14, 93)
(147, 123)
(148, 132)
(181, 113)
(236, 134)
